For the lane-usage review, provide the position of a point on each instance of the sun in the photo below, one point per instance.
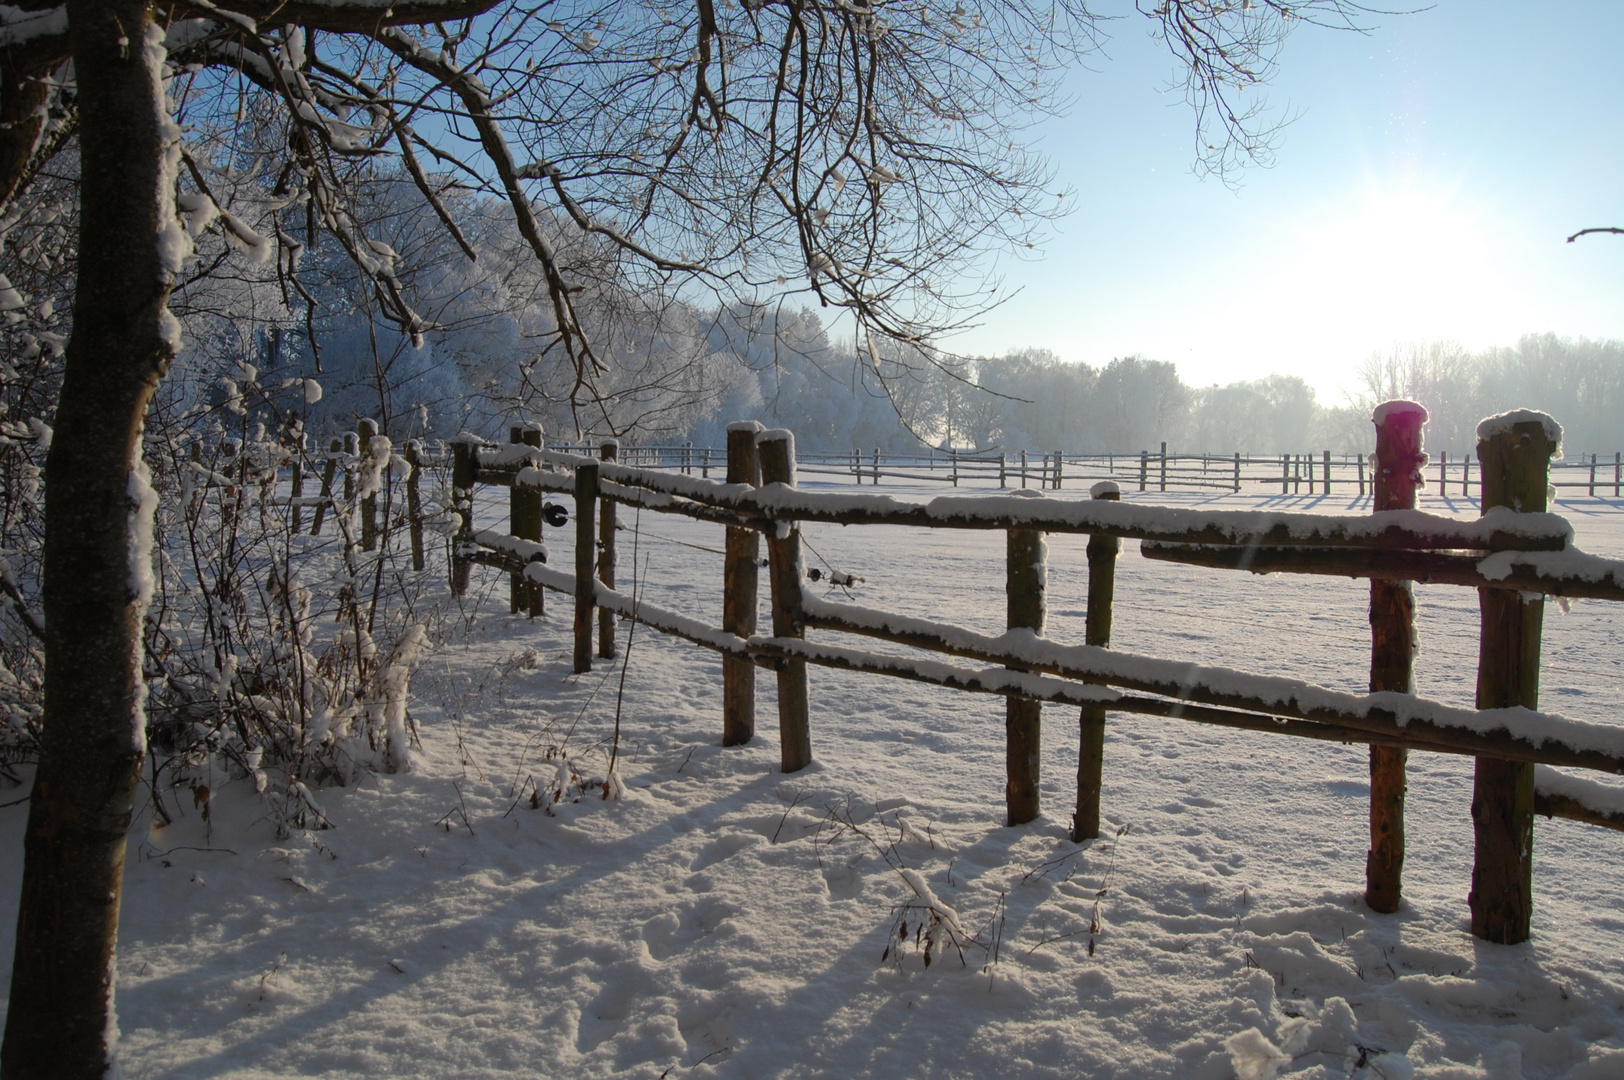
(1404, 264)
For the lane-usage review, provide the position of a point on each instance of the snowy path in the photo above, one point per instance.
(726, 920)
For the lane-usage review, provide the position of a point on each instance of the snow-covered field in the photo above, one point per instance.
(726, 920)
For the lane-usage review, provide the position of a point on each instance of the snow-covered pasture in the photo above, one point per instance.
(724, 919)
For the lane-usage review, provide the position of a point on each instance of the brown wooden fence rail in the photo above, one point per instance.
(1514, 557)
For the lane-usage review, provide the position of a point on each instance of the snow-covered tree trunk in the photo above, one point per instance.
(61, 1021)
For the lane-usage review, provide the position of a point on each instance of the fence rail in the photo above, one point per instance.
(1509, 555)
(1317, 472)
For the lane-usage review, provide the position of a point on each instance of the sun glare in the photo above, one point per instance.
(1404, 265)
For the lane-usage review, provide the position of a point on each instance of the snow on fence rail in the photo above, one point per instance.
(1316, 472)
(1514, 558)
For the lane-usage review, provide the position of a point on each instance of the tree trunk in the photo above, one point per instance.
(60, 1022)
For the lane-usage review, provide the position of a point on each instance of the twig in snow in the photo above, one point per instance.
(800, 797)
(461, 810)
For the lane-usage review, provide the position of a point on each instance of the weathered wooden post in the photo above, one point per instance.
(1102, 556)
(776, 451)
(1396, 478)
(1003, 470)
(1059, 470)
(607, 452)
(586, 505)
(414, 500)
(367, 431)
(1361, 463)
(1466, 476)
(1144, 468)
(296, 489)
(328, 473)
(1327, 472)
(352, 451)
(1163, 481)
(463, 472)
(524, 520)
(739, 576)
(1514, 450)
(1592, 476)
(1024, 585)
(1443, 473)
(1237, 472)
(876, 466)
(954, 451)
(1023, 468)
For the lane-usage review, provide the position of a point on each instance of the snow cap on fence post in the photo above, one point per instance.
(1508, 422)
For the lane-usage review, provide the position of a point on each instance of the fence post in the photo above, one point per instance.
(876, 466)
(524, 521)
(328, 472)
(1102, 556)
(296, 489)
(1466, 477)
(608, 451)
(1618, 472)
(1023, 742)
(1395, 480)
(1023, 468)
(776, 451)
(1144, 468)
(352, 449)
(1003, 473)
(954, 451)
(1285, 474)
(1592, 476)
(1163, 486)
(1515, 451)
(1059, 470)
(462, 501)
(365, 431)
(1237, 472)
(1361, 462)
(586, 505)
(414, 500)
(1327, 472)
(1443, 473)
(739, 575)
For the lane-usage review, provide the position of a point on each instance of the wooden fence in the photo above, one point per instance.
(1514, 557)
(1318, 472)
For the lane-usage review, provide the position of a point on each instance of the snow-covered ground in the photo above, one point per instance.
(726, 920)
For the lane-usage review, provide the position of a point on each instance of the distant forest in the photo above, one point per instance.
(675, 372)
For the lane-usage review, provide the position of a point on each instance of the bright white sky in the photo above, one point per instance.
(1425, 191)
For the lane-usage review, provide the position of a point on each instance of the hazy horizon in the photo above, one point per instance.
(1424, 191)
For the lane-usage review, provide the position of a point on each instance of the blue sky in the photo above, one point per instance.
(1424, 191)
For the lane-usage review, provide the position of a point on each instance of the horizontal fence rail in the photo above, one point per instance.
(1316, 472)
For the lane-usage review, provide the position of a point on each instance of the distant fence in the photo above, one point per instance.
(1320, 472)
(1512, 557)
